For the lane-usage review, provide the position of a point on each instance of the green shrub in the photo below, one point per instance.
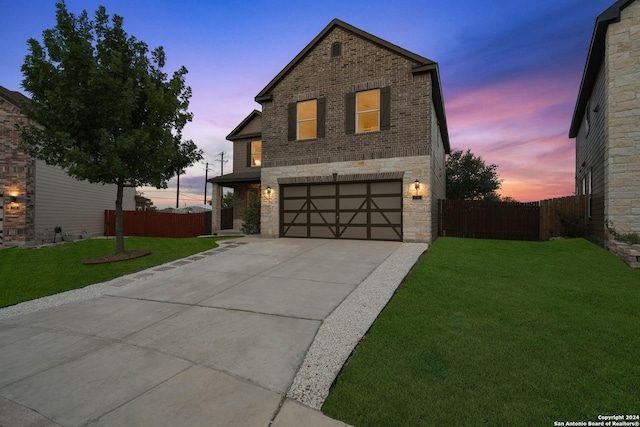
(251, 218)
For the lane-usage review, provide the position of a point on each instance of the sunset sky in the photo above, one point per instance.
(510, 70)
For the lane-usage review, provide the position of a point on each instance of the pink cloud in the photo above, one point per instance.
(521, 126)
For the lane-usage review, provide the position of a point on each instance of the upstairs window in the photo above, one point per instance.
(307, 119)
(255, 153)
(368, 111)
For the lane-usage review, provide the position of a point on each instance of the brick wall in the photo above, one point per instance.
(17, 175)
(362, 65)
(622, 153)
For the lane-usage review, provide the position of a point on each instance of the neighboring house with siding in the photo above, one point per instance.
(351, 143)
(606, 123)
(37, 198)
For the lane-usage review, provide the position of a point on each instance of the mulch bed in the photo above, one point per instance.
(118, 257)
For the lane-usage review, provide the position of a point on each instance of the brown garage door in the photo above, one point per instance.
(354, 210)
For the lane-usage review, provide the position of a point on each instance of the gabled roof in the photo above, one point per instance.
(236, 133)
(594, 59)
(422, 65)
(16, 98)
(265, 93)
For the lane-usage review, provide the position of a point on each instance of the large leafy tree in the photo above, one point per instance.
(103, 108)
(469, 178)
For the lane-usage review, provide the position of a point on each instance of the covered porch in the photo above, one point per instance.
(243, 184)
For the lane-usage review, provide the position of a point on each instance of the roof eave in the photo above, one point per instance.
(233, 134)
(438, 100)
(594, 59)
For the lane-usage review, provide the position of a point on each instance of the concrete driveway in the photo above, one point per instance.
(215, 339)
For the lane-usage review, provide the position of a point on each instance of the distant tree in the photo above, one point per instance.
(103, 108)
(227, 201)
(469, 178)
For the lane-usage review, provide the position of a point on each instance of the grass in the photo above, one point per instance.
(33, 273)
(499, 333)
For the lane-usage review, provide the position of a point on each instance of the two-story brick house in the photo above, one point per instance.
(606, 122)
(352, 143)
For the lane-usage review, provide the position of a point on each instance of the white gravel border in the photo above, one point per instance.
(343, 329)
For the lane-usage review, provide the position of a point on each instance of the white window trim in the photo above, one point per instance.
(358, 113)
(298, 121)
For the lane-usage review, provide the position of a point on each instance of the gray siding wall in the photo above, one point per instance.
(590, 157)
(253, 131)
(73, 205)
(241, 155)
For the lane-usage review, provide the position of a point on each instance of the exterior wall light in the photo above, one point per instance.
(268, 191)
(416, 185)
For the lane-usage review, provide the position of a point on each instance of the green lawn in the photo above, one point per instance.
(33, 273)
(500, 333)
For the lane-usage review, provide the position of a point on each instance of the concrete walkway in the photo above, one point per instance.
(215, 339)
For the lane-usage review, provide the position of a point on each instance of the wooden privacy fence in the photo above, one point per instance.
(159, 224)
(565, 216)
(490, 220)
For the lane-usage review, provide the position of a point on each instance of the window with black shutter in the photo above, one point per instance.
(306, 119)
(368, 111)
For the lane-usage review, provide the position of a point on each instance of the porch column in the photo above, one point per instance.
(216, 209)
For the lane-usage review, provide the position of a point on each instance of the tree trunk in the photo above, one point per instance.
(119, 219)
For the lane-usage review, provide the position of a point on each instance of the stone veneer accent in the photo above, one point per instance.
(626, 252)
(622, 152)
(416, 214)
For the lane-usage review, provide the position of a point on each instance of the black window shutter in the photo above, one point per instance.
(249, 154)
(320, 123)
(385, 108)
(350, 113)
(292, 119)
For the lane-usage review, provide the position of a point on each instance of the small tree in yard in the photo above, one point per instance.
(103, 108)
(251, 218)
(469, 178)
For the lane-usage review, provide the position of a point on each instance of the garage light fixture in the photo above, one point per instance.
(416, 185)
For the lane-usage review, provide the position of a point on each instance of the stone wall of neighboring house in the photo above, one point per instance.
(363, 65)
(17, 175)
(622, 201)
(416, 214)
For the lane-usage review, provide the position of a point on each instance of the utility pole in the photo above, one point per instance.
(222, 162)
(178, 190)
(206, 176)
